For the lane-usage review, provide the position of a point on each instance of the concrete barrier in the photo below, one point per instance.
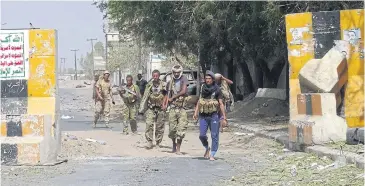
(317, 121)
(326, 75)
(274, 93)
(326, 54)
(30, 132)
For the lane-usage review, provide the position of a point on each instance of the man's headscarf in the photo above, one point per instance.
(207, 90)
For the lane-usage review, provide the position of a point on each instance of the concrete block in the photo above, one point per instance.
(326, 75)
(309, 130)
(274, 93)
(355, 136)
(317, 104)
(28, 140)
(30, 132)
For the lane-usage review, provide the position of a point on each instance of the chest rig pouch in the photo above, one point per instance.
(176, 88)
(128, 97)
(208, 105)
(156, 96)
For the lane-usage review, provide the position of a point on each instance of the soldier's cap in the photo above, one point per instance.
(106, 72)
(210, 73)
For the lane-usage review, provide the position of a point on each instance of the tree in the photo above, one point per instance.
(99, 49)
(221, 33)
(87, 65)
(123, 55)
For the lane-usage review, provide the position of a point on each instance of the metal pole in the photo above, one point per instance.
(92, 55)
(62, 69)
(75, 63)
(106, 49)
(140, 52)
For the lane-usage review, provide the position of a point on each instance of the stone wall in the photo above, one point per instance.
(30, 132)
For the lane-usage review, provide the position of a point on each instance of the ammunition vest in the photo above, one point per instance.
(156, 97)
(105, 88)
(208, 105)
(128, 97)
(178, 102)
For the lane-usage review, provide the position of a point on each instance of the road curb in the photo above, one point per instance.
(320, 151)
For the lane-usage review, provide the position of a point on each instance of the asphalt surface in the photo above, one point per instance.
(114, 170)
(243, 159)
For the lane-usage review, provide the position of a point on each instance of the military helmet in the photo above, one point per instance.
(178, 69)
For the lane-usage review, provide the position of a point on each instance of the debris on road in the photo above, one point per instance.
(66, 117)
(293, 170)
(243, 134)
(80, 86)
(70, 137)
(96, 141)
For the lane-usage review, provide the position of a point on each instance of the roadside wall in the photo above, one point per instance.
(30, 132)
(311, 36)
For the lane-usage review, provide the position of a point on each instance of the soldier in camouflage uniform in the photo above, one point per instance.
(152, 101)
(104, 98)
(178, 118)
(224, 83)
(130, 101)
(96, 79)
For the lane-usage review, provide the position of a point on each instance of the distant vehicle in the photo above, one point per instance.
(191, 75)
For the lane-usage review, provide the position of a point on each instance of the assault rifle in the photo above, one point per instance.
(127, 90)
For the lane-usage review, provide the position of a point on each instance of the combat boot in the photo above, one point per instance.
(149, 145)
(125, 131)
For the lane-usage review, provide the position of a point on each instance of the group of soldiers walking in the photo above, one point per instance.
(156, 98)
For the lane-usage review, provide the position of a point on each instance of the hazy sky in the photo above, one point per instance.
(75, 21)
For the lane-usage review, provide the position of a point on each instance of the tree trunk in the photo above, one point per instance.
(259, 77)
(247, 80)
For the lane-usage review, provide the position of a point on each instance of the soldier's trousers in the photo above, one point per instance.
(160, 125)
(129, 115)
(178, 123)
(102, 107)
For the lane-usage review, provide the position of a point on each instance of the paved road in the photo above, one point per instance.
(124, 161)
(125, 170)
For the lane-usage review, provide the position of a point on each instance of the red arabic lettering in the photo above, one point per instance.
(5, 48)
(20, 62)
(14, 48)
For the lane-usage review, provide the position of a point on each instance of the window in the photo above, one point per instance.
(189, 76)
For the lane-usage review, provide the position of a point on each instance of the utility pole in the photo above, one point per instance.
(92, 55)
(62, 68)
(139, 52)
(75, 51)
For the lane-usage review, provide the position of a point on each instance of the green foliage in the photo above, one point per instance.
(99, 49)
(86, 62)
(234, 33)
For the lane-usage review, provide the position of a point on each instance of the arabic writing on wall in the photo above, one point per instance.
(13, 55)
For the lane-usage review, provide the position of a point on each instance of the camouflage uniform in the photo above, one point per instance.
(130, 109)
(103, 106)
(178, 118)
(226, 93)
(152, 101)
